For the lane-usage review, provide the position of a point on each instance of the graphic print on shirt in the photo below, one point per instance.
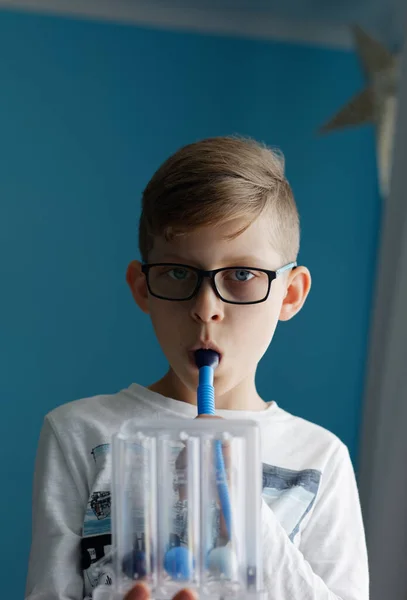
(96, 543)
(289, 494)
(97, 517)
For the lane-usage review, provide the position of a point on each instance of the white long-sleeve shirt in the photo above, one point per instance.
(313, 538)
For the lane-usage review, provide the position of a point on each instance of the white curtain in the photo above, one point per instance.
(383, 460)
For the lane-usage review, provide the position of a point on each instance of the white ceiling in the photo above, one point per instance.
(319, 21)
(387, 19)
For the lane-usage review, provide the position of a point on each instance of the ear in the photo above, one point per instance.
(298, 287)
(137, 283)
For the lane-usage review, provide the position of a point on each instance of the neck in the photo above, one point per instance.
(244, 396)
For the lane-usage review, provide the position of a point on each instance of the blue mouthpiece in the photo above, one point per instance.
(206, 358)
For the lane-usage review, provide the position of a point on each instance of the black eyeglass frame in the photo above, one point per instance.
(201, 273)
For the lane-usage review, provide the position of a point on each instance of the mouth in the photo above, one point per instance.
(204, 346)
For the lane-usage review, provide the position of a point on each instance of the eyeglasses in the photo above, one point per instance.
(234, 285)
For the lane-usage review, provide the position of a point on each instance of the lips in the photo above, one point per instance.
(205, 346)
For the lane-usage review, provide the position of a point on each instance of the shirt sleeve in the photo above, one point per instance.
(54, 571)
(331, 561)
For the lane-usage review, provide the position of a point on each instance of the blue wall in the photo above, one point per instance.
(87, 112)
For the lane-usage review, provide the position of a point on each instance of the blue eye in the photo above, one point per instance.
(242, 275)
(178, 274)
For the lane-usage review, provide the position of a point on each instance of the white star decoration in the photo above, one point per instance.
(376, 103)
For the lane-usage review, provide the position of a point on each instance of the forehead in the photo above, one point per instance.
(211, 247)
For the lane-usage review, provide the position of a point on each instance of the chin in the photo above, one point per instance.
(224, 385)
(187, 379)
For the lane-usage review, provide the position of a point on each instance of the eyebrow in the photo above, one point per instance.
(240, 261)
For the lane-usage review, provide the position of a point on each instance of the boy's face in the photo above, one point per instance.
(241, 333)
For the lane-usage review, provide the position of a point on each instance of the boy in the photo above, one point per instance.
(219, 238)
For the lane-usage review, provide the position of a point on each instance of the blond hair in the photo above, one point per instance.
(218, 180)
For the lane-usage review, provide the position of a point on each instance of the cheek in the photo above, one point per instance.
(255, 327)
(165, 317)
(265, 322)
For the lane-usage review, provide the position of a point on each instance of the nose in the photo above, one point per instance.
(206, 305)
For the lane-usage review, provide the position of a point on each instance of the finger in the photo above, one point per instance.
(139, 592)
(186, 595)
(208, 417)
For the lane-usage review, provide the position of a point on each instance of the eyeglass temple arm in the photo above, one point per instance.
(290, 265)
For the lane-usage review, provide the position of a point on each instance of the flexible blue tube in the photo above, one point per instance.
(206, 391)
(178, 561)
(207, 361)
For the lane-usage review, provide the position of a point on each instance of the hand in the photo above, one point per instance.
(141, 592)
